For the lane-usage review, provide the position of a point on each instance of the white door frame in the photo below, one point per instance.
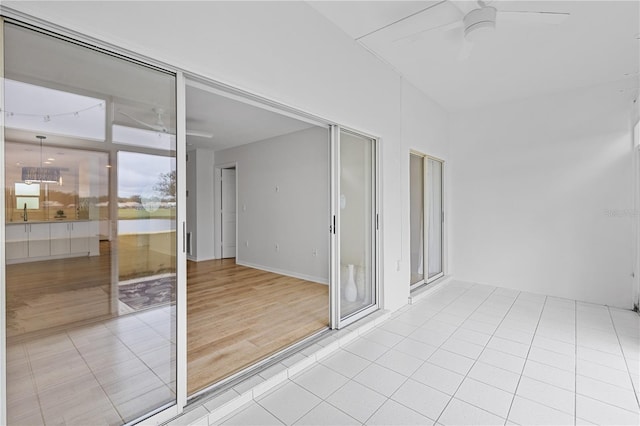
(3, 288)
(334, 227)
(636, 213)
(217, 208)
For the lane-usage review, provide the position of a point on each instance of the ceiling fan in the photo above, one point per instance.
(160, 127)
(481, 21)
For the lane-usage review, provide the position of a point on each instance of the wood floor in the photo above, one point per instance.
(239, 315)
(55, 293)
(235, 315)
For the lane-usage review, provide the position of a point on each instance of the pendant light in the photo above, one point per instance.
(41, 174)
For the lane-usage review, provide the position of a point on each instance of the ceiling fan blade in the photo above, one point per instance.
(465, 50)
(199, 134)
(550, 18)
(416, 36)
(147, 125)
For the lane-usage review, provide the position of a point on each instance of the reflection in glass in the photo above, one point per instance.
(416, 212)
(90, 304)
(434, 227)
(146, 230)
(41, 109)
(357, 212)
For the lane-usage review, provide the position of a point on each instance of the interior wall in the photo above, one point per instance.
(200, 204)
(283, 203)
(192, 214)
(540, 187)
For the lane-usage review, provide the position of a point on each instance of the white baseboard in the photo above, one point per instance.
(305, 277)
(197, 259)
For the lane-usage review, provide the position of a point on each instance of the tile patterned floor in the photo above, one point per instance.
(471, 354)
(109, 372)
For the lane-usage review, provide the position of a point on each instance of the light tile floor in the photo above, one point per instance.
(471, 354)
(108, 372)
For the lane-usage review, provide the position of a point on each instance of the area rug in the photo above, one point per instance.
(144, 294)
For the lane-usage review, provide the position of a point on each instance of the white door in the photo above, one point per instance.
(228, 213)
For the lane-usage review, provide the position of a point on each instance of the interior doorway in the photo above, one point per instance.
(258, 273)
(228, 220)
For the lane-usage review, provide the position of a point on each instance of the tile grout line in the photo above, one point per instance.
(515, 391)
(626, 363)
(35, 384)
(316, 363)
(404, 338)
(437, 348)
(423, 362)
(115, 407)
(137, 355)
(472, 365)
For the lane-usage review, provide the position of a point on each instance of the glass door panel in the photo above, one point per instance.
(434, 218)
(426, 219)
(91, 262)
(357, 214)
(416, 212)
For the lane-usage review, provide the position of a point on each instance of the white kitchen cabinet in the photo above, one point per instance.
(39, 239)
(27, 240)
(53, 240)
(17, 241)
(69, 238)
(60, 241)
(79, 237)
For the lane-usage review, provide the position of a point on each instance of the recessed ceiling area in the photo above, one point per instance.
(596, 45)
(231, 122)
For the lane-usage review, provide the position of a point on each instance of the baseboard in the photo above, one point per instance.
(196, 259)
(305, 277)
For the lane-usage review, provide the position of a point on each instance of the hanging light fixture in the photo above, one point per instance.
(41, 174)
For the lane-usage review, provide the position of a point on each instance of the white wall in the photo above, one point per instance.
(535, 184)
(425, 130)
(283, 199)
(192, 207)
(200, 204)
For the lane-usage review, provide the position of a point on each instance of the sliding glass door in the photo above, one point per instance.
(90, 217)
(355, 226)
(426, 219)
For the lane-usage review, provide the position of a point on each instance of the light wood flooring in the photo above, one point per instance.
(55, 293)
(236, 316)
(239, 315)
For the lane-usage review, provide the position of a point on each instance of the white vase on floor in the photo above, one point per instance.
(350, 289)
(360, 283)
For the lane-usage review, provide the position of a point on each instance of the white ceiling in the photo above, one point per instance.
(232, 122)
(597, 44)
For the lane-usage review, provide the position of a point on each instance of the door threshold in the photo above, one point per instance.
(429, 288)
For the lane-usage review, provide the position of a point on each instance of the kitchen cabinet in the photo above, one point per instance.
(17, 241)
(50, 240)
(27, 240)
(70, 238)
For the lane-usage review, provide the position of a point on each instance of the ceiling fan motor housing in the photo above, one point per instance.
(484, 17)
